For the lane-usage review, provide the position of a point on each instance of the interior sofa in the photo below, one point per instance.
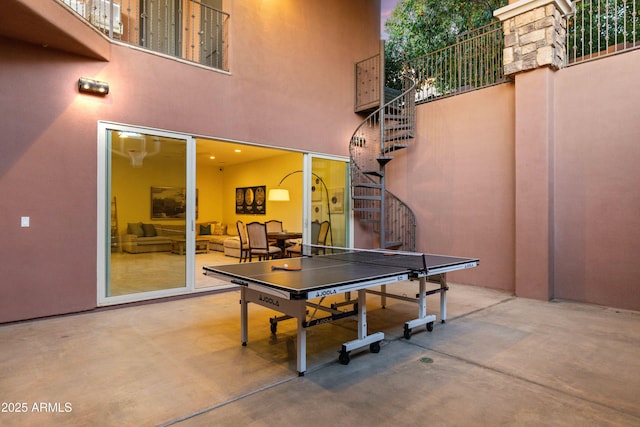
(141, 238)
(216, 232)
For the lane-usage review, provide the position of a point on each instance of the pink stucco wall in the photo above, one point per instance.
(457, 177)
(539, 179)
(597, 184)
(291, 85)
(534, 197)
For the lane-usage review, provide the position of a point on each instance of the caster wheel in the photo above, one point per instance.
(374, 347)
(430, 326)
(344, 358)
(407, 333)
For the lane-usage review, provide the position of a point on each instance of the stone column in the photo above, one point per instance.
(534, 33)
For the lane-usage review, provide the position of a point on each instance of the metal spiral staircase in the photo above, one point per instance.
(379, 136)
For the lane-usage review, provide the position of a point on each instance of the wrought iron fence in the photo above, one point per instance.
(185, 29)
(473, 62)
(597, 28)
(368, 83)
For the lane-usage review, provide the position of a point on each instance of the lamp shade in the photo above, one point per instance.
(278, 195)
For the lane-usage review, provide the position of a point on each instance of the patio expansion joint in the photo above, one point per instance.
(509, 374)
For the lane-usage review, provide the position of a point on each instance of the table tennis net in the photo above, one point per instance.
(409, 260)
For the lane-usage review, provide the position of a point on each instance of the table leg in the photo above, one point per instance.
(423, 317)
(443, 297)
(373, 340)
(422, 299)
(362, 313)
(244, 318)
(301, 362)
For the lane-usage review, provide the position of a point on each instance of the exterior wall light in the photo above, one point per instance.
(94, 87)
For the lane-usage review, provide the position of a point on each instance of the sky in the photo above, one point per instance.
(386, 6)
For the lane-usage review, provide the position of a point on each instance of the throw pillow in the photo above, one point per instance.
(149, 230)
(220, 230)
(135, 228)
(205, 230)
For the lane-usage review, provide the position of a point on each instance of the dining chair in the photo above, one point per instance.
(258, 242)
(274, 226)
(244, 241)
(316, 229)
(323, 233)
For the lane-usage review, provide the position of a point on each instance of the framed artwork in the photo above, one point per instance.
(317, 211)
(251, 200)
(336, 200)
(316, 189)
(169, 203)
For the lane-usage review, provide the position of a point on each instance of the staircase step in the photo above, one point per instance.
(398, 126)
(397, 117)
(393, 245)
(398, 136)
(367, 185)
(394, 109)
(383, 160)
(373, 173)
(376, 198)
(395, 147)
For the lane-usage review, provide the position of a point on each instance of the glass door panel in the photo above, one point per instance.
(329, 196)
(147, 190)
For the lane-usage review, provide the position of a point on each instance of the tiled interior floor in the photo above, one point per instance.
(132, 273)
(499, 360)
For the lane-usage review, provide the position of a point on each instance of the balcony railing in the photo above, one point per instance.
(368, 83)
(473, 62)
(184, 29)
(601, 28)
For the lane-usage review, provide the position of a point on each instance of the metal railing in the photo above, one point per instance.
(185, 29)
(597, 28)
(384, 131)
(368, 77)
(473, 62)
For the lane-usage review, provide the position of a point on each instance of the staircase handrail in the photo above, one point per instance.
(380, 112)
(359, 175)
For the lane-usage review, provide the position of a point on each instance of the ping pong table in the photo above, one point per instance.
(292, 286)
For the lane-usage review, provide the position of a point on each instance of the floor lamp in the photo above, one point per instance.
(282, 195)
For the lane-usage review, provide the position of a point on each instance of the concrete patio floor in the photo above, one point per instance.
(498, 360)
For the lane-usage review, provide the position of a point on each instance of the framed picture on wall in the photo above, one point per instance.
(317, 211)
(336, 200)
(316, 190)
(170, 203)
(251, 200)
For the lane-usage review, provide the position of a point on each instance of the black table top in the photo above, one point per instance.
(326, 271)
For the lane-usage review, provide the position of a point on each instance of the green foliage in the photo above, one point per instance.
(417, 27)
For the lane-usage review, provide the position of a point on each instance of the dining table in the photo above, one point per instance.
(281, 237)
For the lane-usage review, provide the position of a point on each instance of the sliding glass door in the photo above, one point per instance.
(329, 199)
(148, 201)
(167, 206)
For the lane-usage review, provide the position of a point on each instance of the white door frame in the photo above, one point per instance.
(104, 203)
(307, 180)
